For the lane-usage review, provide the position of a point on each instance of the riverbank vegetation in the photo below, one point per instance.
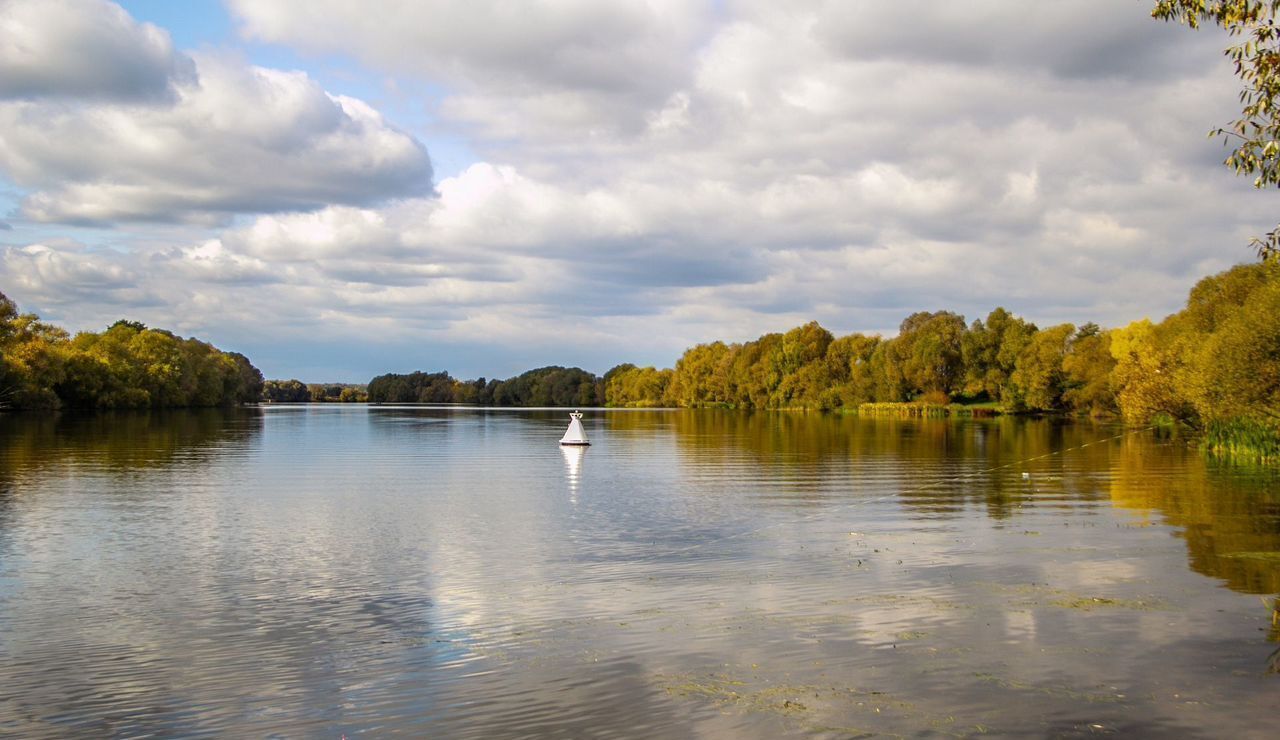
(126, 366)
(1214, 366)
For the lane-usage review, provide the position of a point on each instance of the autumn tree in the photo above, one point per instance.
(128, 365)
(700, 376)
(1236, 369)
(636, 386)
(1038, 381)
(1229, 339)
(1143, 374)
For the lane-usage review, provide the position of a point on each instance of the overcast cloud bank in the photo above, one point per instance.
(650, 175)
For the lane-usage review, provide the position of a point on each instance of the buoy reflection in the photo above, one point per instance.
(573, 466)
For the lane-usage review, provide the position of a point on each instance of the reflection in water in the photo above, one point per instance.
(320, 571)
(77, 447)
(1228, 515)
(121, 440)
(573, 455)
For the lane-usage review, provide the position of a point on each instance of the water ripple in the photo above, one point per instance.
(329, 571)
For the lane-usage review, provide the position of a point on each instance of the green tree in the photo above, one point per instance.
(128, 365)
(930, 351)
(244, 382)
(849, 367)
(1256, 57)
(416, 387)
(799, 363)
(754, 376)
(285, 391)
(990, 352)
(886, 370)
(160, 366)
(8, 378)
(1088, 367)
(1038, 380)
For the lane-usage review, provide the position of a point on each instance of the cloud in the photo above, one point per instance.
(757, 167)
(1087, 39)
(85, 49)
(65, 273)
(232, 138)
(560, 62)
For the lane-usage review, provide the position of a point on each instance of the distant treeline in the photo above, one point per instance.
(1215, 364)
(126, 366)
(545, 386)
(295, 391)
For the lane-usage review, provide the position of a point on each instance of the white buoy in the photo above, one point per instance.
(575, 435)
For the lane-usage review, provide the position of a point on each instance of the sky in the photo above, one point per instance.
(341, 189)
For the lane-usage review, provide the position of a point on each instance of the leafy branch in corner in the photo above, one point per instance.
(1256, 58)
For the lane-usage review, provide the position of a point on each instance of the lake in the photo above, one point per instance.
(321, 571)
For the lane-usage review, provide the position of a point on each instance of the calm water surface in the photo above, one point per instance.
(329, 571)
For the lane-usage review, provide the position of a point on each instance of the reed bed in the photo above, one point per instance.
(1243, 438)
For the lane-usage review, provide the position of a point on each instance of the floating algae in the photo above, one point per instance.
(1035, 595)
(797, 701)
(1061, 692)
(1266, 556)
(1090, 603)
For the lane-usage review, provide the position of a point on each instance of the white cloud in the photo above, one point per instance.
(655, 175)
(228, 138)
(569, 43)
(84, 49)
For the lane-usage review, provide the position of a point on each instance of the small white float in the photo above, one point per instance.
(575, 435)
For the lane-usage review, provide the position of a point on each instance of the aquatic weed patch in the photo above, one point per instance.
(1060, 692)
(1265, 556)
(1033, 595)
(1243, 439)
(802, 703)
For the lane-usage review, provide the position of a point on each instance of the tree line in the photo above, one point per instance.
(127, 366)
(1215, 362)
(1214, 365)
(544, 386)
(295, 391)
(935, 358)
